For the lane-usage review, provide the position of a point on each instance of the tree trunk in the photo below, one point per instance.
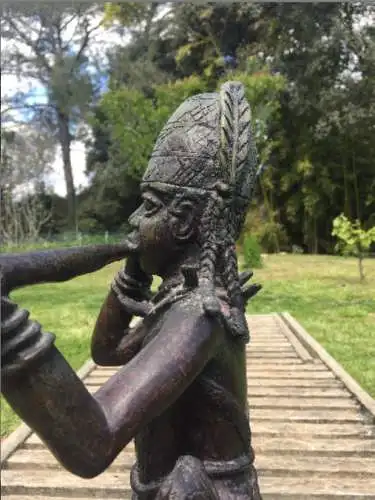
(360, 266)
(356, 189)
(65, 142)
(315, 236)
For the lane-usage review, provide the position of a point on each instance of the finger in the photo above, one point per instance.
(250, 291)
(13, 322)
(245, 276)
(23, 339)
(133, 306)
(22, 360)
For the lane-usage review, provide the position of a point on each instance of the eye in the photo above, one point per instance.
(151, 205)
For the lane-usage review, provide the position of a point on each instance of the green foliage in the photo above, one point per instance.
(252, 252)
(263, 90)
(265, 228)
(128, 14)
(354, 240)
(134, 121)
(311, 91)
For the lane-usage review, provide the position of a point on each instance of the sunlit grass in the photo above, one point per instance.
(323, 293)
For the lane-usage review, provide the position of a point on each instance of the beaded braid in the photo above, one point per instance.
(215, 227)
(237, 322)
(209, 255)
(222, 221)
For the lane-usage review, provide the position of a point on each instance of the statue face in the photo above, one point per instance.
(163, 226)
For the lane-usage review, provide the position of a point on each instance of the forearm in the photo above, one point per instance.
(111, 327)
(54, 402)
(127, 299)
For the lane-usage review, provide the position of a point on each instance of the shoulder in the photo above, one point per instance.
(200, 306)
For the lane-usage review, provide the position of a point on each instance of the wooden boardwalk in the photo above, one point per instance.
(313, 429)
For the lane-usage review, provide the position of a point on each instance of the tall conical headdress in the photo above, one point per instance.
(208, 142)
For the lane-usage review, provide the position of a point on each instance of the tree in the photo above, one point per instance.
(324, 159)
(353, 239)
(49, 45)
(143, 62)
(209, 37)
(25, 157)
(309, 74)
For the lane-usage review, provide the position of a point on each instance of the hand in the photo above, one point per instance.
(134, 270)
(248, 291)
(132, 288)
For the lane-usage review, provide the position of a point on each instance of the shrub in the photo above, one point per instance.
(252, 252)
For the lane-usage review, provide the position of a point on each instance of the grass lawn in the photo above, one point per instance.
(322, 293)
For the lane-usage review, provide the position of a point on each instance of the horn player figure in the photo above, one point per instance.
(181, 389)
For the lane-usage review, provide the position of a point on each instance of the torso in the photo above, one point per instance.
(209, 420)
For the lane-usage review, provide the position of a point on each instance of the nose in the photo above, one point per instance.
(135, 217)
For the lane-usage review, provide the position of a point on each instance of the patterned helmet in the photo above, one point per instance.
(206, 143)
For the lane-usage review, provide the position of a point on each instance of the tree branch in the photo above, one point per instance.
(85, 42)
(27, 41)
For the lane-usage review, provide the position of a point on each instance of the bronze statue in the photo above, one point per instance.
(181, 391)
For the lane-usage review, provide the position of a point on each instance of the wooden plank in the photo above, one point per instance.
(64, 483)
(42, 458)
(254, 373)
(295, 429)
(312, 485)
(306, 415)
(257, 361)
(272, 352)
(265, 337)
(272, 348)
(261, 371)
(34, 439)
(320, 392)
(309, 447)
(268, 343)
(293, 382)
(289, 366)
(278, 402)
(285, 465)
(282, 362)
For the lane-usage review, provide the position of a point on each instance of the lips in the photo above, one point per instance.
(133, 241)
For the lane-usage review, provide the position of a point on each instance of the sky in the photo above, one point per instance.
(11, 84)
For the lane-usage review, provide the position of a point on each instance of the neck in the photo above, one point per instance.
(189, 256)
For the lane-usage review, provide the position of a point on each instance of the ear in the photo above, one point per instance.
(183, 220)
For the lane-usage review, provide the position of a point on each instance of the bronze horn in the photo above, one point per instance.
(55, 265)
